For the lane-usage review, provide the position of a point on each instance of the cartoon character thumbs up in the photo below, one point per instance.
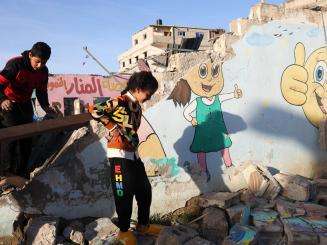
(294, 79)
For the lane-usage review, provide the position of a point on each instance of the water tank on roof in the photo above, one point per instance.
(159, 22)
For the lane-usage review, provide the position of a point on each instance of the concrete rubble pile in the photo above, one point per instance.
(261, 209)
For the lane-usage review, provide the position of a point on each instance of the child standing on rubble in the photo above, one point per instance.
(18, 79)
(122, 117)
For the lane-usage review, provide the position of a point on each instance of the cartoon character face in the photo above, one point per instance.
(304, 83)
(316, 66)
(205, 79)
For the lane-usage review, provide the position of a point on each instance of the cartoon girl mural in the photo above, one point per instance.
(205, 113)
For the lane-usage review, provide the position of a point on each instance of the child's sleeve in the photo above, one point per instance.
(8, 74)
(102, 111)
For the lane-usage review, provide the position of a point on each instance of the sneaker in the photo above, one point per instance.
(127, 238)
(149, 229)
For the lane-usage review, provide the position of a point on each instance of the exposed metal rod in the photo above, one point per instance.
(97, 61)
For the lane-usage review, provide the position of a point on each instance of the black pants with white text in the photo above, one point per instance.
(128, 178)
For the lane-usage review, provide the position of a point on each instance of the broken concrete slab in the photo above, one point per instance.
(75, 233)
(75, 184)
(241, 235)
(214, 225)
(257, 183)
(42, 230)
(296, 187)
(235, 213)
(314, 210)
(198, 241)
(233, 179)
(270, 228)
(320, 228)
(298, 232)
(10, 212)
(99, 230)
(219, 199)
(260, 181)
(287, 208)
(176, 235)
(185, 214)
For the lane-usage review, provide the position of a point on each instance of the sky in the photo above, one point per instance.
(104, 26)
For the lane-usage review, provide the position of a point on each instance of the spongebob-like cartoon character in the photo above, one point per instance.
(304, 83)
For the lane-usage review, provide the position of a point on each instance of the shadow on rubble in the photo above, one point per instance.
(215, 164)
(278, 123)
(71, 179)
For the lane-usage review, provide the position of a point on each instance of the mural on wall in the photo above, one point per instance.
(206, 81)
(85, 87)
(267, 129)
(304, 83)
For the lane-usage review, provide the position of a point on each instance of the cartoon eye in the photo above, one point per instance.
(215, 70)
(320, 72)
(203, 71)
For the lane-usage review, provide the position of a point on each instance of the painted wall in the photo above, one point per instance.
(271, 95)
(275, 121)
(85, 87)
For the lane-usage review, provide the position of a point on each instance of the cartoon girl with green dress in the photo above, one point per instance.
(205, 112)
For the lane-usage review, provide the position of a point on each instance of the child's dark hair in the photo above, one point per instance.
(41, 50)
(143, 80)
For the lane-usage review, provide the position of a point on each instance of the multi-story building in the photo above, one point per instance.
(156, 39)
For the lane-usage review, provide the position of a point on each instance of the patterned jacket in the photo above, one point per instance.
(122, 117)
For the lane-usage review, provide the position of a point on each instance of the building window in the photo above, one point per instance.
(130, 61)
(181, 33)
(136, 41)
(166, 33)
(199, 34)
(145, 54)
(136, 58)
(144, 36)
(123, 63)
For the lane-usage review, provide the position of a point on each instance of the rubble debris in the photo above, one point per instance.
(214, 225)
(261, 182)
(186, 214)
(98, 230)
(296, 187)
(219, 199)
(240, 234)
(176, 235)
(269, 226)
(198, 241)
(9, 214)
(42, 230)
(235, 213)
(298, 231)
(288, 209)
(321, 197)
(75, 233)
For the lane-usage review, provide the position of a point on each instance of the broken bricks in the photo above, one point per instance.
(261, 182)
(241, 234)
(176, 235)
(296, 187)
(269, 226)
(299, 232)
(42, 230)
(214, 225)
(219, 199)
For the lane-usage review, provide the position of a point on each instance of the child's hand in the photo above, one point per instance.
(237, 92)
(6, 105)
(194, 122)
(104, 120)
